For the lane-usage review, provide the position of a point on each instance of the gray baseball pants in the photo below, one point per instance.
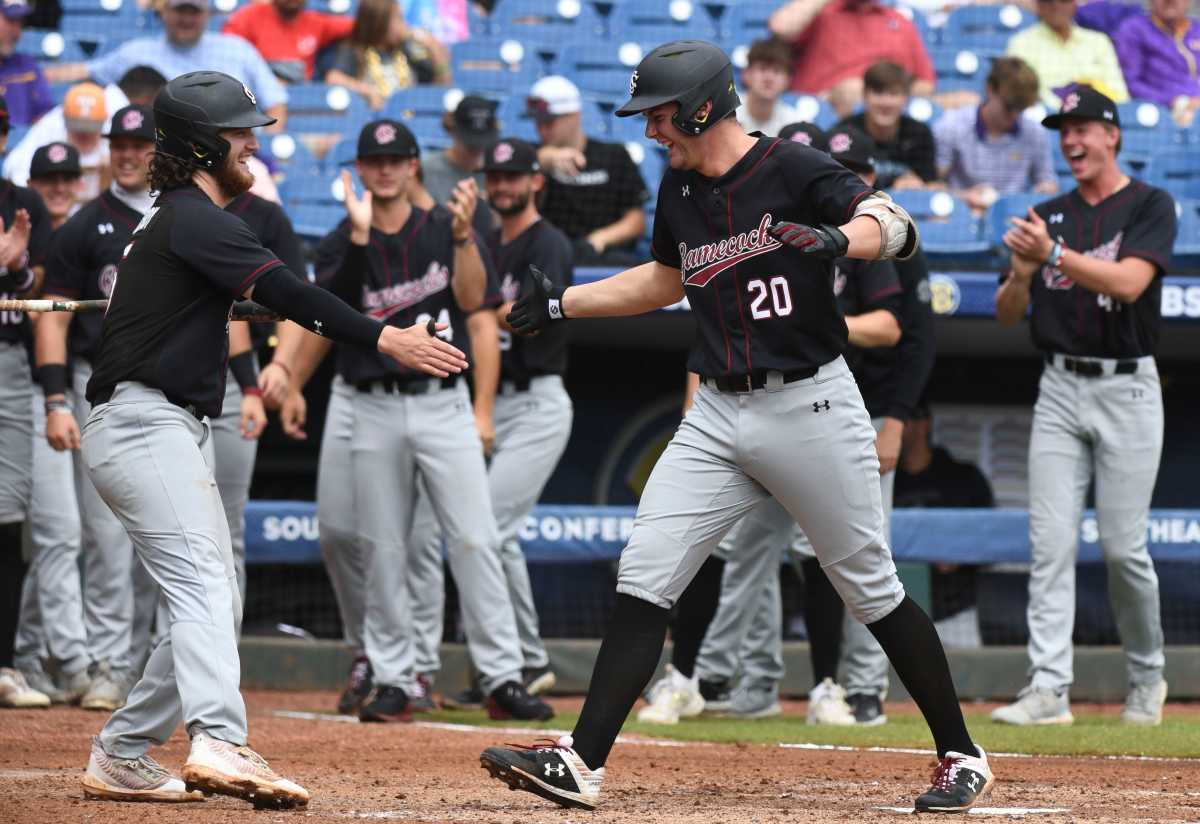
(144, 456)
(532, 429)
(1109, 429)
(399, 437)
(810, 444)
(233, 470)
(16, 433)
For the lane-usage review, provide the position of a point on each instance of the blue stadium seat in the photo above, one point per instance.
(286, 152)
(421, 108)
(495, 65)
(958, 69)
(600, 67)
(514, 121)
(1177, 171)
(1006, 207)
(812, 109)
(744, 22)
(317, 108)
(315, 220)
(1187, 237)
(610, 85)
(924, 110)
(985, 29)
(541, 21)
(948, 229)
(341, 153)
(664, 19)
(54, 47)
(478, 23)
(629, 129)
(930, 36)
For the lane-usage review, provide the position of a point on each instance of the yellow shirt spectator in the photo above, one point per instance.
(1082, 56)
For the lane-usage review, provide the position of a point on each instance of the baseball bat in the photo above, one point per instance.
(242, 309)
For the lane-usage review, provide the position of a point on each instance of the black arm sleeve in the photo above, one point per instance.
(347, 279)
(316, 310)
(917, 349)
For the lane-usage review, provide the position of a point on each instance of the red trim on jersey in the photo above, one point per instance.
(737, 285)
(733, 186)
(408, 242)
(717, 292)
(1078, 245)
(251, 277)
(387, 264)
(854, 203)
(123, 218)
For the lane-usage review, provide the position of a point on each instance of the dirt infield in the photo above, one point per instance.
(429, 774)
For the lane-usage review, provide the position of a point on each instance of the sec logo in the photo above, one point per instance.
(945, 296)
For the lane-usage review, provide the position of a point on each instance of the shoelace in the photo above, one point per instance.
(253, 757)
(540, 744)
(944, 774)
(146, 767)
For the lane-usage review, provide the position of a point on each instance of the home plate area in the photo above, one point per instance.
(431, 773)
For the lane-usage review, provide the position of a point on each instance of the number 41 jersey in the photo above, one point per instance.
(758, 304)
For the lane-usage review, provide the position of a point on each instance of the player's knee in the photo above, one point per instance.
(867, 582)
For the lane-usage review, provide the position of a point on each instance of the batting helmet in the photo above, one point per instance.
(687, 72)
(191, 110)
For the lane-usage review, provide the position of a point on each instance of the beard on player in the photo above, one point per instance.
(233, 176)
(508, 204)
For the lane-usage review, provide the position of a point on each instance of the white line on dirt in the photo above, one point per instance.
(1016, 812)
(913, 751)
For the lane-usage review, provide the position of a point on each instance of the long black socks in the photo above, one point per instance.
(823, 613)
(12, 574)
(693, 613)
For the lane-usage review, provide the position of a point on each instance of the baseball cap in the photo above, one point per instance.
(806, 134)
(15, 9)
(852, 148)
(553, 96)
(1084, 103)
(84, 109)
(198, 4)
(386, 137)
(132, 121)
(474, 122)
(511, 155)
(55, 158)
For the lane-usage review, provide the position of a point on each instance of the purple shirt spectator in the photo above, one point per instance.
(1014, 162)
(21, 80)
(1159, 61)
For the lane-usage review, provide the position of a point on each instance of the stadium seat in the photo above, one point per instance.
(651, 163)
(744, 22)
(601, 68)
(341, 153)
(541, 21)
(948, 229)
(55, 47)
(286, 152)
(985, 29)
(317, 108)
(662, 21)
(514, 122)
(930, 36)
(421, 108)
(1187, 237)
(924, 110)
(314, 220)
(478, 23)
(1006, 207)
(494, 65)
(958, 69)
(1177, 171)
(812, 109)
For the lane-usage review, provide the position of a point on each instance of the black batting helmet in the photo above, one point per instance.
(687, 72)
(192, 109)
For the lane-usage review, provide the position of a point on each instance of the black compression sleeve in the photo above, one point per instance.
(347, 280)
(244, 369)
(53, 378)
(315, 309)
(917, 349)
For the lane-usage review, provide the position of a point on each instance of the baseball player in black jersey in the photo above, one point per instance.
(24, 239)
(746, 228)
(159, 376)
(1090, 263)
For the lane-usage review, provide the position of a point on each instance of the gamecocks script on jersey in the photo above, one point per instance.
(383, 303)
(702, 264)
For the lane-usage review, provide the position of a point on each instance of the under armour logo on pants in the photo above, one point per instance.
(819, 406)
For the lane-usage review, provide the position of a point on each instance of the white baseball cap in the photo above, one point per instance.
(553, 96)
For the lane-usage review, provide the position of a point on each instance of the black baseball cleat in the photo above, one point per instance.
(469, 699)
(511, 700)
(959, 782)
(538, 680)
(422, 698)
(358, 687)
(386, 705)
(551, 769)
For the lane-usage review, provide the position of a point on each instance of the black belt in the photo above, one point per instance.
(756, 380)
(105, 395)
(405, 386)
(1091, 368)
(524, 384)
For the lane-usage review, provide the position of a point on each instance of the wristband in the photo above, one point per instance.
(461, 243)
(1056, 255)
(287, 371)
(251, 391)
(243, 368)
(53, 378)
(57, 406)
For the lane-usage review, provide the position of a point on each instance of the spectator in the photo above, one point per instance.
(55, 174)
(383, 55)
(185, 46)
(993, 149)
(287, 35)
(767, 75)
(472, 128)
(84, 113)
(594, 192)
(904, 155)
(21, 80)
(835, 41)
(1062, 54)
(929, 476)
(1159, 53)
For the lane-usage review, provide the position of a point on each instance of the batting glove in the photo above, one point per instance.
(533, 312)
(822, 241)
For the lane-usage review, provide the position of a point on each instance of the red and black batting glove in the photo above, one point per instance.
(822, 241)
(543, 303)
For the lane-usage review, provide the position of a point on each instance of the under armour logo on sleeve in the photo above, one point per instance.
(317, 327)
(555, 308)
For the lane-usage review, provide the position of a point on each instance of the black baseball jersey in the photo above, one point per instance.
(1138, 221)
(167, 322)
(917, 350)
(758, 304)
(600, 194)
(83, 264)
(13, 326)
(406, 281)
(863, 286)
(273, 228)
(546, 247)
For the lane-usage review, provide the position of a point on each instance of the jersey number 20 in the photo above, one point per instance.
(780, 298)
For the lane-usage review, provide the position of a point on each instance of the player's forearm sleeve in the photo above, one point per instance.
(316, 310)
(917, 349)
(347, 279)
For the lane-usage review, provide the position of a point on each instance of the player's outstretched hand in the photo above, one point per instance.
(822, 241)
(533, 311)
(62, 430)
(254, 417)
(293, 415)
(418, 347)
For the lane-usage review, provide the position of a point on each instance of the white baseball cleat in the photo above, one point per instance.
(1144, 704)
(1036, 706)
(15, 692)
(216, 766)
(131, 779)
(672, 697)
(827, 705)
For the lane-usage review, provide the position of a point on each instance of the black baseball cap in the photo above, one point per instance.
(806, 134)
(55, 158)
(387, 137)
(132, 121)
(853, 148)
(474, 122)
(1084, 103)
(511, 155)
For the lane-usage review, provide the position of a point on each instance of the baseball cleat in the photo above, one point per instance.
(131, 779)
(752, 701)
(386, 705)
(512, 701)
(421, 699)
(16, 693)
(717, 695)
(867, 708)
(358, 687)
(827, 705)
(472, 698)
(218, 767)
(1036, 706)
(959, 782)
(1144, 704)
(538, 680)
(551, 769)
(672, 697)
(108, 690)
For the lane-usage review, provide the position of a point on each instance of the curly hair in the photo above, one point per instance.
(167, 172)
